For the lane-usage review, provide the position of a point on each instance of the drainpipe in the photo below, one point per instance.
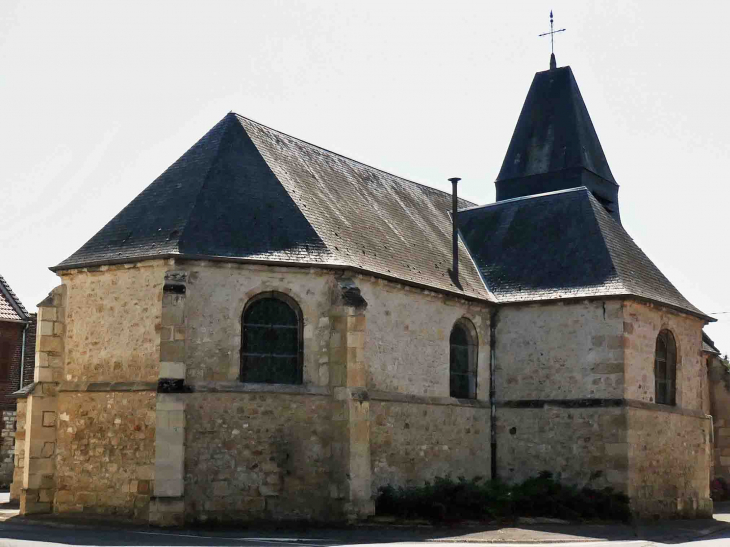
(493, 389)
(22, 356)
(455, 231)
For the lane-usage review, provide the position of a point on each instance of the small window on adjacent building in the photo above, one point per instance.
(665, 369)
(463, 360)
(271, 345)
(6, 356)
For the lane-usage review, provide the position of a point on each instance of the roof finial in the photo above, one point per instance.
(553, 64)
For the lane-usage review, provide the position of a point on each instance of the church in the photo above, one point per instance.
(271, 330)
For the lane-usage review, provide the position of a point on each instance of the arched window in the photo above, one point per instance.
(271, 345)
(665, 369)
(463, 360)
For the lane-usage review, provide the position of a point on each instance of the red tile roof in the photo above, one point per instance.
(11, 309)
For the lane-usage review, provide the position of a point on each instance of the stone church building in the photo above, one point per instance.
(272, 330)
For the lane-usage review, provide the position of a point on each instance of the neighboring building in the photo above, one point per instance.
(272, 330)
(17, 350)
(718, 405)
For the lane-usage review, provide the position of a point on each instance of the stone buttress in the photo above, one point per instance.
(38, 412)
(167, 506)
(351, 469)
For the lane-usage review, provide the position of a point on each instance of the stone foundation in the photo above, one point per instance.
(19, 460)
(578, 445)
(658, 455)
(7, 448)
(255, 456)
(105, 453)
(669, 461)
(418, 440)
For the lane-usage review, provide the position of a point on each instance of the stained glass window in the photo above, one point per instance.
(665, 369)
(271, 349)
(462, 361)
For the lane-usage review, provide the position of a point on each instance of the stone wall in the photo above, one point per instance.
(579, 445)
(39, 455)
(113, 321)
(575, 389)
(669, 464)
(402, 322)
(7, 448)
(19, 461)
(719, 403)
(407, 340)
(344, 351)
(254, 456)
(105, 453)
(706, 365)
(216, 295)
(642, 323)
(670, 448)
(138, 409)
(564, 350)
(413, 442)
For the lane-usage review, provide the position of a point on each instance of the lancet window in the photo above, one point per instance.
(665, 369)
(463, 360)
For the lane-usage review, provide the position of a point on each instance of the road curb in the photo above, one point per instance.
(73, 525)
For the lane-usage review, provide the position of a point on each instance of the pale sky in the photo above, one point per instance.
(98, 98)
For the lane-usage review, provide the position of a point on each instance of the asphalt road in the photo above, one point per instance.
(34, 536)
(31, 534)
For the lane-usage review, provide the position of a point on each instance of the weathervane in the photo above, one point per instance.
(552, 32)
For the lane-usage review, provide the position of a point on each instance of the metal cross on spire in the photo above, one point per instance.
(552, 33)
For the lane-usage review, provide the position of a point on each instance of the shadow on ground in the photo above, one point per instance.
(83, 529)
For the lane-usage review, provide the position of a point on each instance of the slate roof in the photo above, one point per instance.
(709, 349)
(246, 191)
(561, 245)
(11, 308)
(555, 146)
(708, 345)
(554, 131)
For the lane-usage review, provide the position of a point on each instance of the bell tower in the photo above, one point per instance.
(554, 145)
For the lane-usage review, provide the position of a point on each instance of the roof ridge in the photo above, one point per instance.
(216, 156)
(597, 211)
(628, 280)
(596, 207)
(584, 133)
(348, 158)
(523, 198)
(13, 299)
(710, 342)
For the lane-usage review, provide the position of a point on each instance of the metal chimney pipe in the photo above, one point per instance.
(455, 233)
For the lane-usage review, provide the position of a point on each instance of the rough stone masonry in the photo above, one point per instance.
(136, 409)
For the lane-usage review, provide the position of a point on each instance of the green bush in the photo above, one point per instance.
(479, 499)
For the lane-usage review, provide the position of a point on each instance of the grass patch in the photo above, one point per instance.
(446, 499)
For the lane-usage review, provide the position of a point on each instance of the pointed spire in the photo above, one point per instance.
(553, 64)
(555, 146)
